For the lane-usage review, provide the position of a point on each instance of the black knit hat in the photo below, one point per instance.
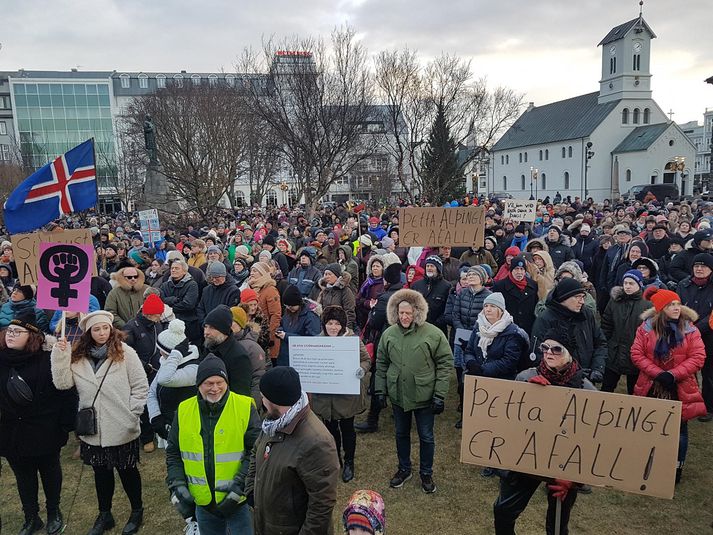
(26, 319)
(334, 268)
(704, 258)
(337, 313)
(209, 367)
(392, 274)
(281, 386)
(220, 318)
(558, 335)
(567, 288)
(268, 240)
(518, 261)
(26, 291)
(291, 296)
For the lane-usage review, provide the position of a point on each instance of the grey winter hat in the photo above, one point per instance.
(480, 272)
(216, 269)
(496, 299)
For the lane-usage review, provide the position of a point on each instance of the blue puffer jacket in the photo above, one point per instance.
(304, 323)
(10, 309)
(466, 307)
(503, 354)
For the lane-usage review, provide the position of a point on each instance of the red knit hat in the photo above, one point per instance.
(247, 295)
(660, 298)
(152, 305)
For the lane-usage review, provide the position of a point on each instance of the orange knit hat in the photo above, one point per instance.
(660, 298)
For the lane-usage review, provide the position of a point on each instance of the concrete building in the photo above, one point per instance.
(701, 137)
(599, 144)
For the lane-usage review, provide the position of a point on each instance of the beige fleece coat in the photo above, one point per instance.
(121, 399)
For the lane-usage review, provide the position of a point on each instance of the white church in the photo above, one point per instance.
(600, 144)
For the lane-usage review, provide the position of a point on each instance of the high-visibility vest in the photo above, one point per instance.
(228, 446)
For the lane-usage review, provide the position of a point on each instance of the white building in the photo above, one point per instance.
(599, 144)
(700, 136)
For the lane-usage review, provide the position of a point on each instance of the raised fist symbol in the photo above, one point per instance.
(66, 265)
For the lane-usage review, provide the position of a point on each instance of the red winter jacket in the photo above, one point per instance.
(683, 363)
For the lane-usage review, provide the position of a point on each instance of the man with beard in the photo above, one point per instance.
(293, 474)
(219, 340)
(209, 452)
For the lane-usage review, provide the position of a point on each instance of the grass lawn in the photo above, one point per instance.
(462, 505)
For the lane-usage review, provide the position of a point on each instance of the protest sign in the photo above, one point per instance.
(25, 248)
(629, 443)
(326, 364)
(150, 228)
(64, 276)
(519, 210)
(462, 226)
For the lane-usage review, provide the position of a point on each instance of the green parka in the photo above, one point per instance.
(412, 365)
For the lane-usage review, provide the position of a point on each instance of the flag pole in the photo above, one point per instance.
(96, 174)
(63, 322)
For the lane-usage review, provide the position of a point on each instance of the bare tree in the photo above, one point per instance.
(199, 138)
(262, 158)
(12, 172)
(317, 99)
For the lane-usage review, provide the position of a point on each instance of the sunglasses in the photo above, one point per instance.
(131, 277)
(554, 349)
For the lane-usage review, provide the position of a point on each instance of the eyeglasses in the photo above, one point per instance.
(12, 333)
(131, 277)
(555, 350)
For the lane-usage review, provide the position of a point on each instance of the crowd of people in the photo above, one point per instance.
(186, 347)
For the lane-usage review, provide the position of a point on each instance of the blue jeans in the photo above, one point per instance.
(427, 443)
(241, 523)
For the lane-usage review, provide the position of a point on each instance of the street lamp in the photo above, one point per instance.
(588, 156)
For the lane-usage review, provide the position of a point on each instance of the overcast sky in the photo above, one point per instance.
(546, 49)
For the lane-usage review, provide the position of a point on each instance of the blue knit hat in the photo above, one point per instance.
(636, 275)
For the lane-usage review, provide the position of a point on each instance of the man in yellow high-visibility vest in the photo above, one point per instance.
(208, 454)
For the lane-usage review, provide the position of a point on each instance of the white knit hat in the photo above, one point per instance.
(171, 337)
(94, 318)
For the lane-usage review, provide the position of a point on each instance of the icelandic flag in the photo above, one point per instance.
(68, 184)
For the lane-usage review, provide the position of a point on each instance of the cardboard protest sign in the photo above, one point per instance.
(150, 227)
(462, 226)
(326, 364)
(64, 276)
(25, 248)
(519, 210)
(629, 443)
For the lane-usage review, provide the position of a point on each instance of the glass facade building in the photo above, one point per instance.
(52, 117)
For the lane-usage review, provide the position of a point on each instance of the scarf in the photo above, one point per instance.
(520, 284)
(12, 358)
(672, 338)
(368, 283)
(98, 355)
(489, 331)
(571, 375)
(270, 427)
(700, 282)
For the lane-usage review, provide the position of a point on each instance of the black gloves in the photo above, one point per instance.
(182, 500)
(474, 367)
(183, 347)
(232, 502)
(437, 406)
(666, 380)
(161, 426)
(596, 376)
(382, 400)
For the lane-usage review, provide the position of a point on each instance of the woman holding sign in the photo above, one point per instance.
(557, 368)
(338, 410)
(668, 351)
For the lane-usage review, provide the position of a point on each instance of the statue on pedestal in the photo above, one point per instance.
(150, 139)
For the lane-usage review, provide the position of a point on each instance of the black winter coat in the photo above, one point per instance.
(141, 335)
(700, 299)
(226, 294)
(503, 354)
(521, 304)
(620, 320)
(658, 248)
(182, 297)
(100, 288)
(559, 252)
(682, 263)
(237, 364)
(466, 307)
(377, 317)
(40, 428)
(584, 251)
(586, 340)
(436, 291)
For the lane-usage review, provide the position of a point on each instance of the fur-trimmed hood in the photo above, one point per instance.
(687, 314)
(415, 299)
(342, 281)
(547, 259)
(373, 258)
(617, 294)
(121, 282)
(542, 243)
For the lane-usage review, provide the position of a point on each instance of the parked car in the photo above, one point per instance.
(662, 192)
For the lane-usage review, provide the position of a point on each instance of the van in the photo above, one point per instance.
(662, 192)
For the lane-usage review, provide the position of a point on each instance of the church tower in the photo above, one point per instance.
(626, 61)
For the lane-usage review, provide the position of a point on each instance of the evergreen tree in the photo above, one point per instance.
(442, 178)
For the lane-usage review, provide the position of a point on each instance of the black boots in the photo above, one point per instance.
(32, 525)
(371, 425)
(136, 518)
(104, 522)
(348, 471)
(55, 522)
